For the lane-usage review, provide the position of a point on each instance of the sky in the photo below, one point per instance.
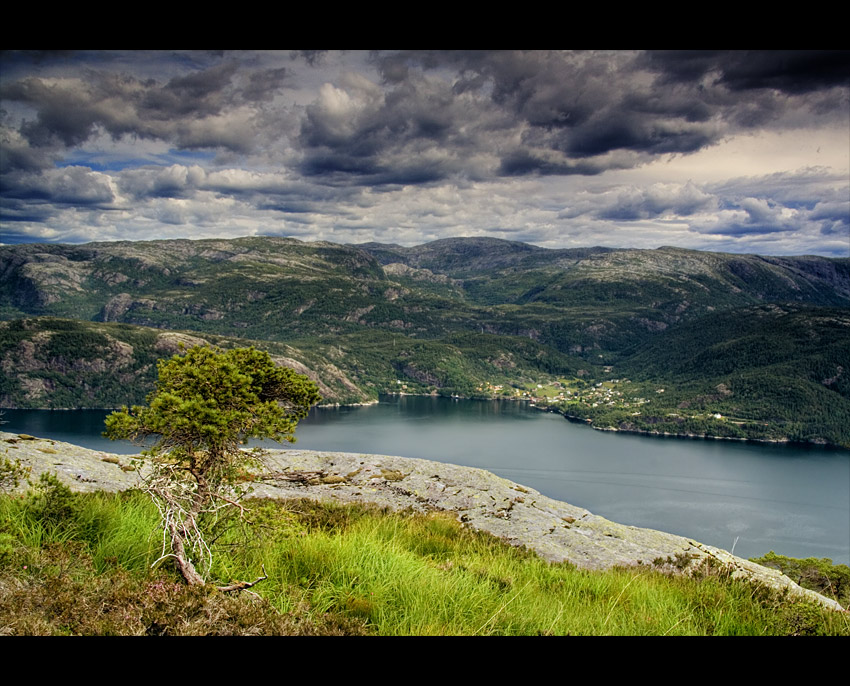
(743, 152)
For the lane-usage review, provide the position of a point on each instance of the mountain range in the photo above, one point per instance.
(667, 340)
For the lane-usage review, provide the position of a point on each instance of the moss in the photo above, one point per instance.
(392, 474)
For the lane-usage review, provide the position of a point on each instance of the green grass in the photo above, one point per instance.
(345, 570)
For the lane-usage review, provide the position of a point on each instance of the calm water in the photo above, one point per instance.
(793, 500)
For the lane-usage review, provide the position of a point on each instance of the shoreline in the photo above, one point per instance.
(654, 434)
(542, 408)
(666, 434)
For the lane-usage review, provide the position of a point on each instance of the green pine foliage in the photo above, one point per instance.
(213, 400)
(207, 402)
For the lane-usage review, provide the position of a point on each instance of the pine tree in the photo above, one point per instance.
(207, 402)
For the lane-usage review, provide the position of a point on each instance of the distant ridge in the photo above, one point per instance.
(456, 316)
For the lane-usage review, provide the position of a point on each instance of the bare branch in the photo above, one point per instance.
(235, 503)
(242, 585)
(301, 477)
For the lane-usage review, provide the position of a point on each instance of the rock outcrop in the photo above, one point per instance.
(556, 531)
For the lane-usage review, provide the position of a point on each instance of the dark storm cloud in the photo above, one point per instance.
(437, 140)
(264, 84)
(77, 186)
(312, 57)
(790, 71)
(523, 162)
(199, 94)
(13, 237)
(64, 114)
(416, 132)
(16, 154)
(70, 112)
(535, 112)
(25, 211)
(33, 56)
(436, 114)
(585, 105)
(619, 131)
(833, 218)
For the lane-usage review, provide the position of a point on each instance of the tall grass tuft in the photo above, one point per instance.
(347, 570)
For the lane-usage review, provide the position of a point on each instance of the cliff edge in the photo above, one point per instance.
(557, 531)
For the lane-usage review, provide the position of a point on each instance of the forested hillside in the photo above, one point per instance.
(475, 317)
(771, 372)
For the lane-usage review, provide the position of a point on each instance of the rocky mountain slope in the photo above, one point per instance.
(455, 316)
(276, 289)
(65, 364)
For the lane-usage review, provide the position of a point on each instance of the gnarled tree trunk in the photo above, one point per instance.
(184, 564)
